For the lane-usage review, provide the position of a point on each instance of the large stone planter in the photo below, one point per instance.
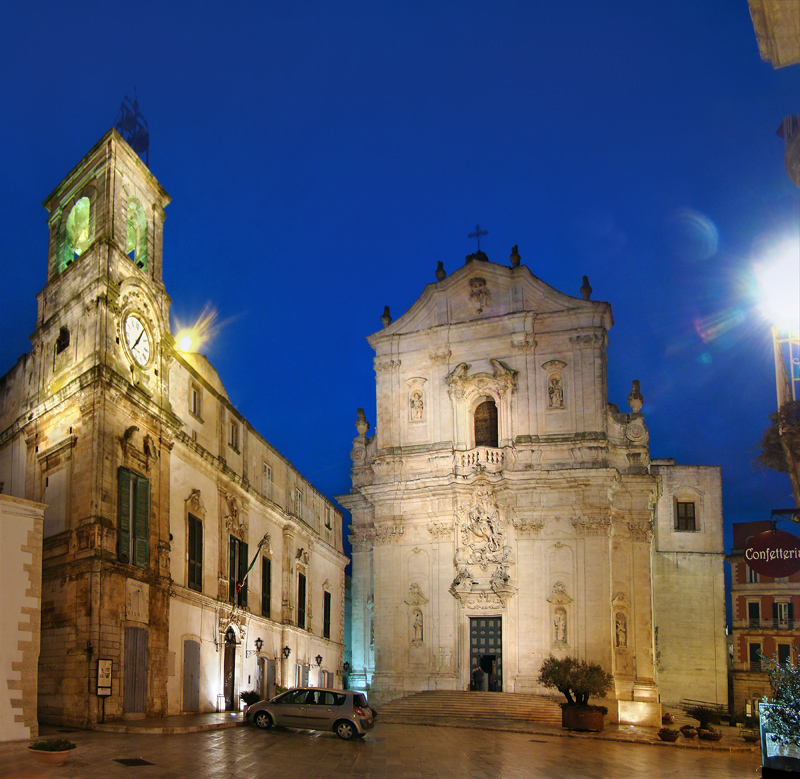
(50, 758)
(578, 718)
(776, 760)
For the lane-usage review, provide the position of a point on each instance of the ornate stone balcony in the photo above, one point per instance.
(485, 458)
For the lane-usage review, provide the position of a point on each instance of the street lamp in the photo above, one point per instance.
(318, 658)
(259, 643)
(778, 281)
(287, 651)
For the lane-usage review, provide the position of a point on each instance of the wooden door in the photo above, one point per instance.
(191, 675)
(134, 690)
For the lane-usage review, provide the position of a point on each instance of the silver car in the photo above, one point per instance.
(344, 712)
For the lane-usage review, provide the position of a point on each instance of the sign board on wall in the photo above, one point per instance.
(104, 667)
(774, 553)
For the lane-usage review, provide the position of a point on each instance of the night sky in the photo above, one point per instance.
(322, 158)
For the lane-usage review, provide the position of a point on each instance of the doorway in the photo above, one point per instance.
(486, 650)
(134, 694)
(191, 675)
(229, 665)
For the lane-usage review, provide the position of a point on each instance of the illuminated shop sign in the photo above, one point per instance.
(773, 553)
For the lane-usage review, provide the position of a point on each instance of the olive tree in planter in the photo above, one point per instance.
(780, 718)
(577, 680)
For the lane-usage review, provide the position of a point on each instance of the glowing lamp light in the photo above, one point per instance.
(778, 281)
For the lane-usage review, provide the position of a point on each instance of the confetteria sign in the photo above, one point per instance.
(773, 553)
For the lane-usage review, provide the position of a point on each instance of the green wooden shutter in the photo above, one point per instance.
(242, 573)
(232, 570)
(124, 512)
(141, 533)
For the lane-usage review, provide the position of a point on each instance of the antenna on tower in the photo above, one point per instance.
(132, 126)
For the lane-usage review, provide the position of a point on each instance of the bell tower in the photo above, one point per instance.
(97, 433)
(104, 302)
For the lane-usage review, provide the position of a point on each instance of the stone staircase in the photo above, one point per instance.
(470, 708)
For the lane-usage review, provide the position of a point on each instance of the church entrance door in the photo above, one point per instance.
(486, 650)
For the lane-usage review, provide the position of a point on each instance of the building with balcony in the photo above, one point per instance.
(184, 560)
(504, 510)
(763, 613)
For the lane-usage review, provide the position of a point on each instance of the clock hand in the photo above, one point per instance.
(136, 342)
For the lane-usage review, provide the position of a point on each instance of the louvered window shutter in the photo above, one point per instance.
(124, 510)
(142, 525)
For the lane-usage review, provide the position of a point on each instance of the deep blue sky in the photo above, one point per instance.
(322, 157)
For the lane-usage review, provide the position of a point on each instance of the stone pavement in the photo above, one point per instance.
(389, 751)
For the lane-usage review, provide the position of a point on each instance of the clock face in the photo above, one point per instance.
(137, 339)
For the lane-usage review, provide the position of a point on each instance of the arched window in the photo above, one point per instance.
(486, 424)
(136, 239)
(62, 342)
(78, 232)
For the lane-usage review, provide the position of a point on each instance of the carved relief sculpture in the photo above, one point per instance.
(416, 404)
(479, 293)
(482, 531)
(556, 392)
(621, 626)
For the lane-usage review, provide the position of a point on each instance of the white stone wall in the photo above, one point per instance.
(21, 524)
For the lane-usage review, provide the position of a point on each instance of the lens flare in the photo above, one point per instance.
(777, 279)
(192, 338)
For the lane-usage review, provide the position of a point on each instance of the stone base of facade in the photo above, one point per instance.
(647, 713)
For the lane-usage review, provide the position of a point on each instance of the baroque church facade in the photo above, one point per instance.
(504, 510)
(185, 560)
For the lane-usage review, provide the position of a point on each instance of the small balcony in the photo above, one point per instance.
(765, 624)
(485, 458)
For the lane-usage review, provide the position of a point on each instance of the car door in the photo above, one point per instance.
(328, 708)
(288, 709)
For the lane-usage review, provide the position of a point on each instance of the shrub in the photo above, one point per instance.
(576, 679)
(53, 745)
(783, 717)
(705, 715)
(250, 697)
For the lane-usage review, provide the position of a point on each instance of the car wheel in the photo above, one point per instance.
(345, 729)
(263, 720)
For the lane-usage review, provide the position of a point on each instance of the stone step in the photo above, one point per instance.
(472, 706)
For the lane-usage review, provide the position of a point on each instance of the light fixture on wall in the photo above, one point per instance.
(346, 667)
(287, 651)
(318, 658)
(259, 643)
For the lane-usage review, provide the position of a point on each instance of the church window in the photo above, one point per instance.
(62, 342)
(195, 400)
(267, 480)
(485, 418)
(326, 615)
(685, 517)
(78, 234)
(136, 238)
(298, 501)
(195, 553)
(301, 601)
(266, 586)
(133, 509)
(233, 439)
(237, 570)
(328, 513)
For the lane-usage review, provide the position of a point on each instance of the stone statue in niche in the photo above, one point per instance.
(560, 626)
(418, 627)
(621, 625)
(417, 405)
(556, 392)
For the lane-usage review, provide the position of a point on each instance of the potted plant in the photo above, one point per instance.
(668, 734)
(780, 717)
(709, 734)
(51, 751)
(577, 680)
(666, 718)
(688, 731)
(705, 715)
